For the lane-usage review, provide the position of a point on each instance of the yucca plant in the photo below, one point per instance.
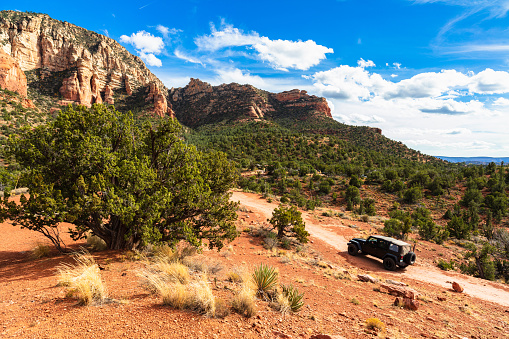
(265, 278)
(294, 297)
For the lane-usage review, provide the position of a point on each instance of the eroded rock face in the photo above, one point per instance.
(200, 103)
(11, 75)
(161, 108)
(99, 63)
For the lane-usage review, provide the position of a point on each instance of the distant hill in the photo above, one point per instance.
(475, 160)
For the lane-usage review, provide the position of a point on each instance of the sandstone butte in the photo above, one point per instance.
(95, 67)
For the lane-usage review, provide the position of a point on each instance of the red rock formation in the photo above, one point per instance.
(298, 98)
(161, 108)
(36, 41)
(11, 75)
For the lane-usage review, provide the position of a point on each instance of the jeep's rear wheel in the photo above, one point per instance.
(352, 249)
(410, 258)
(389, 264)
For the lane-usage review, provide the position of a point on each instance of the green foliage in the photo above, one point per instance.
(482, 265)
(367, 206)
(396, 228)
(458, 228)
(288, 222)
(472, 196)
(446, 265)
(265, 278)
(413, 195)
(129, 185)
(293, 296)
(352, 197)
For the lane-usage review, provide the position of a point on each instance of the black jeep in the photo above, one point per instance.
(392, 251)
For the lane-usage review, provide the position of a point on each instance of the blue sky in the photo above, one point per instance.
(433, 74)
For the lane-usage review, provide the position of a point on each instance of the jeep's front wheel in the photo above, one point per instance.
(389, 264)
(352, 249)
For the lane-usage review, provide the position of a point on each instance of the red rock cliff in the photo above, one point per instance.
(99, 64)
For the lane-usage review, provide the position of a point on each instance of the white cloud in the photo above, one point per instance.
(167, 32)
(147, 46)
(150, 59)
(490, 82)
(144, 42)
(365, 64)
(439, 88)
(163, 29)
(359, 119)
(181, 55)
(238, 76)
(501, 102)
(280, 54)
(396, 65)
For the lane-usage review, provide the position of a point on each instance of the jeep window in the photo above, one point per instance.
(373, 242)
(383, 244)
(393, 248)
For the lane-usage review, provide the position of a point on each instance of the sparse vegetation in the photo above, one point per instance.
(83, 279)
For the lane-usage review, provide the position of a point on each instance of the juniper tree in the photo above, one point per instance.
(127, 184)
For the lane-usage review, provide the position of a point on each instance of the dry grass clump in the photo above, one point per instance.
(375, 324)
(94, 243)
(173, 271)
(83, 279)
(244, 301)
(41, 250)
(168, 277)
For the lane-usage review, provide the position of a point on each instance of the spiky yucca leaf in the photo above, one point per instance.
(265, 278)
(294, 298)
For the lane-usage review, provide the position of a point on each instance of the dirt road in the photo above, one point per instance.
(422, 271)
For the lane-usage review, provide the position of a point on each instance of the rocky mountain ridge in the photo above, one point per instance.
(75, 65)
(199, 103)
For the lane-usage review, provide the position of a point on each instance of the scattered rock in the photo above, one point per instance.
(457, 287)
(281, 335)
(393, 282)
(441, 298)
(367, 278)
(400, 291)
(410, 304)
(326, 336)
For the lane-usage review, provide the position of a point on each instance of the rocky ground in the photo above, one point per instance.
(337, 302)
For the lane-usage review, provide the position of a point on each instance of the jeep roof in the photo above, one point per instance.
(389, 239)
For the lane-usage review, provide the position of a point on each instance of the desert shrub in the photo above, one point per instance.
(270, 241)
(471, 196)
(352, 197)
(413, 195)
(83, 279)
(396, 228)
(265, 278)
(288, 222)
(446, 265)
(40, 250)
(367, 206)
(375, 324)
(458, 228)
